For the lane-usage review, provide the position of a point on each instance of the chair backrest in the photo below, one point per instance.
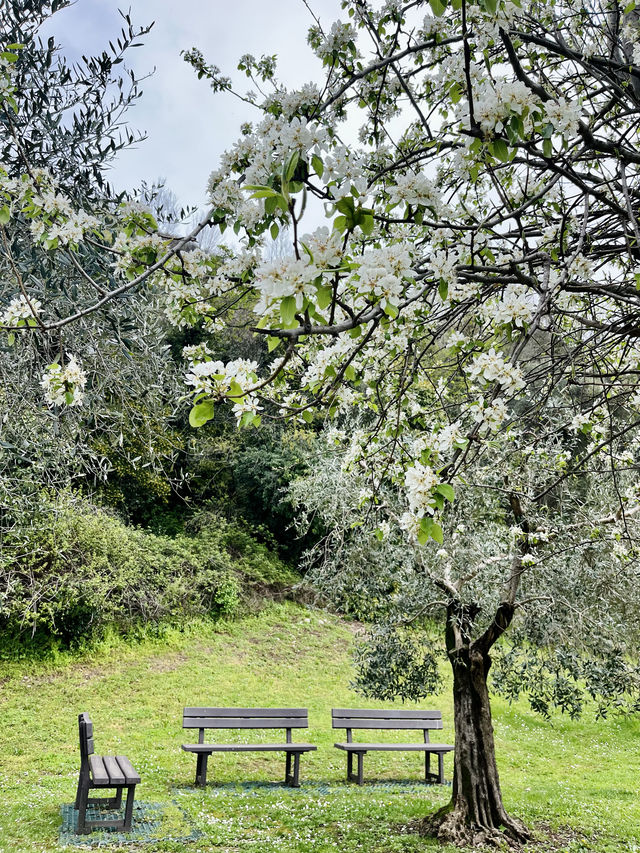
(354, 718)
(245, 718)
(85, 730)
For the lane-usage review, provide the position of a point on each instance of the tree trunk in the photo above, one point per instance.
(475, 814)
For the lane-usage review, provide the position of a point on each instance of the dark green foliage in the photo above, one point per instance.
(246, 475)
(81, 570)
(561, 679)
(398, 663)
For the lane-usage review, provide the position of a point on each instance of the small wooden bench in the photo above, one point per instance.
(247, 718)
(104, 771)
(344, 718)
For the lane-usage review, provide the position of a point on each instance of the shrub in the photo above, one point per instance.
(80, 569)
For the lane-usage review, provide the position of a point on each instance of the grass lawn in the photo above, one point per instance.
(581, 778)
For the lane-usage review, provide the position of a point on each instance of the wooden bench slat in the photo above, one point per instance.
(99, 772)
(245, 712)
(395, 747)
(248, 747)
(131, 775)
(244, 723)
(116, 776)
(360, 723)
(390, 714)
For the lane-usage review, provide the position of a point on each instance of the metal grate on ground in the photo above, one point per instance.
(146, 826)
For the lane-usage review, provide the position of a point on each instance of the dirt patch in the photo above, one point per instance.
(168, 663)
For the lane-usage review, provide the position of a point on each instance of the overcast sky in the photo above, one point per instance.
(187, 125)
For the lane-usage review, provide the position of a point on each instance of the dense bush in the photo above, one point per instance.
(79, 569)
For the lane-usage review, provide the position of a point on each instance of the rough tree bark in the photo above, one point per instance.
(476, 814)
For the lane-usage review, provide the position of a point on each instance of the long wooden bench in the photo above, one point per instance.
(102, 771)
(349, 719)
(247, 718)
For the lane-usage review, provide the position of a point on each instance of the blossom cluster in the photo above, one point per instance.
(21, 311)
(488, 367)
(64, 385)
(217, 380)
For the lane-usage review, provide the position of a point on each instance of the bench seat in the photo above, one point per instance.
(398, 747)
(109, 772)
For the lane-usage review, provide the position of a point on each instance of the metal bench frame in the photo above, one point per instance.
(102, 772)
(247, 718)
(345, 718)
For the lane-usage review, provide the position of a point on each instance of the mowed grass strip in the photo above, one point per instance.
(581, 778)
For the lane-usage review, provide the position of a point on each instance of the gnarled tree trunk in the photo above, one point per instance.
(475, 814)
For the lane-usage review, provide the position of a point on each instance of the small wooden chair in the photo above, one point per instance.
(102, 772)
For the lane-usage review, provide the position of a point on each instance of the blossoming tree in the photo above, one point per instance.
(475, 286)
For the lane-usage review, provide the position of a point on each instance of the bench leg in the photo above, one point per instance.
(351, 776)
(441, 768)
(201, 769)
(293, 779)
(116, 802)
(82, 797)
(427, 767)
(128, 812)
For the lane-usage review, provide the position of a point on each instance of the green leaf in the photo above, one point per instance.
(340, 224)
(11, 339)
(391, 310)
(288, 309)
(318, 165)
(291, 166)
(68, 397)
(446, 491)
(350, 373)
(547, 148)
(5, 214)
(200, 414)
(500, 149)
(307, 416)
(491, 6)
(443, 289)
(436, 533)
(438, 7)
(346, 205)
(366, 223)
(325, 294)
(275, 230)
(423, 537)
(272, 343)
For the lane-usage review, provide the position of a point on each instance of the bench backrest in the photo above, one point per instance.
(245, 718)
(353, 718)
(85, 731)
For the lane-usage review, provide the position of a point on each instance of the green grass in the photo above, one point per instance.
(581, 776)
